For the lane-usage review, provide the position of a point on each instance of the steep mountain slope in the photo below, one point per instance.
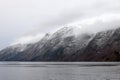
(56, 47)
(105, 46)
(68, 44)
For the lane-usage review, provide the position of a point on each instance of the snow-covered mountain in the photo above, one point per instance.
(68, 44)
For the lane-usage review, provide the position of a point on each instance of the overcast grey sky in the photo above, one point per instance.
(28, 17)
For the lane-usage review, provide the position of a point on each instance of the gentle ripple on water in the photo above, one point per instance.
(59, 71)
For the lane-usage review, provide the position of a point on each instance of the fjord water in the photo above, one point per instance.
(59, 71)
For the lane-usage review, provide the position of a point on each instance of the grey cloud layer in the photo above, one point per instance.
(18, 17)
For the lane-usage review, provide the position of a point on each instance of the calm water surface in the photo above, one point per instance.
(59, 71)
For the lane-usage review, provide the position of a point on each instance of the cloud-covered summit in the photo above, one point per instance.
(91, 25)
(21, 17)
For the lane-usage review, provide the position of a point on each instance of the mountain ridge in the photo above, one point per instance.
(68, 44)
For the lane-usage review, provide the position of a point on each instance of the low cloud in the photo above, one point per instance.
(37, 17)
(28, 39)
(91, 25)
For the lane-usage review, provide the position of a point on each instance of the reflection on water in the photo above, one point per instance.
(59, 71)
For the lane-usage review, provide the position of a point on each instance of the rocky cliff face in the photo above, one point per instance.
(68, 44)
(105, 46)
